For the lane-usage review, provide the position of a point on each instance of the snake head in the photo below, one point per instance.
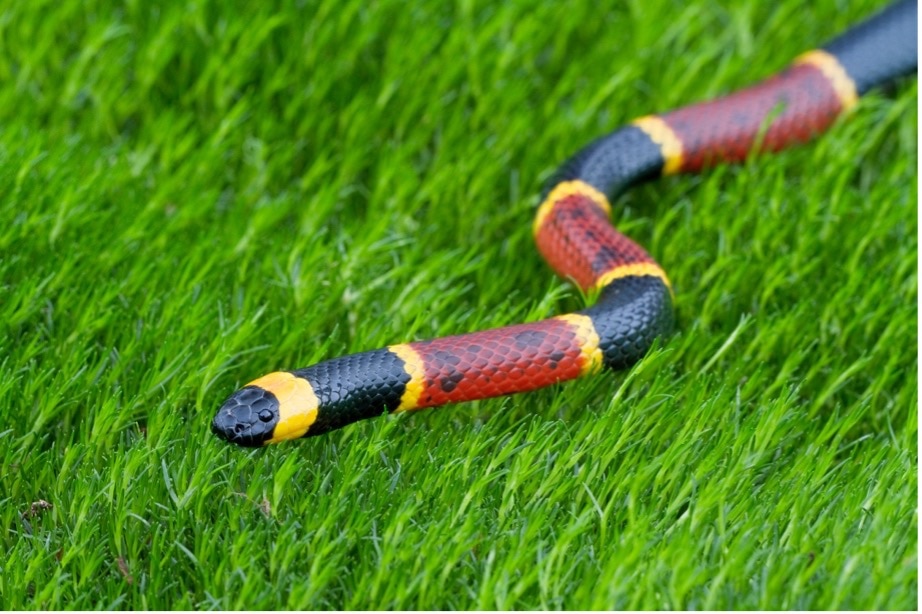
(248, 417)
(273, 408)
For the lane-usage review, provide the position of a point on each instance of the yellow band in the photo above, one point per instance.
(588, 340)
(570, 188)
(670, 145)
(298, 404)
(626, 270)
(413, 365)
(834, 71)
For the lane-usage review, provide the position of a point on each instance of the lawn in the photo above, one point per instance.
(193, 195)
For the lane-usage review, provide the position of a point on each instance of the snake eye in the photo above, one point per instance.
(265, 415)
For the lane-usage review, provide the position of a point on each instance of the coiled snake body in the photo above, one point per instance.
(574, 235)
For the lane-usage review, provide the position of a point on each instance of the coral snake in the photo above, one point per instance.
(574, 235)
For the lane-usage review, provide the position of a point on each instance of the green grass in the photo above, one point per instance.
(194, 195)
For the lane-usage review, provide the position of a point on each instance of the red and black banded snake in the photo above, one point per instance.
(574, 234)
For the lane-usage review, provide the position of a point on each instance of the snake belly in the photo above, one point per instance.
(574, 234)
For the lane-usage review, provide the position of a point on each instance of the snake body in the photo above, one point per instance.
(573, 233)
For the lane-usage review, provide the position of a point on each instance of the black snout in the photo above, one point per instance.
(247, 418)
